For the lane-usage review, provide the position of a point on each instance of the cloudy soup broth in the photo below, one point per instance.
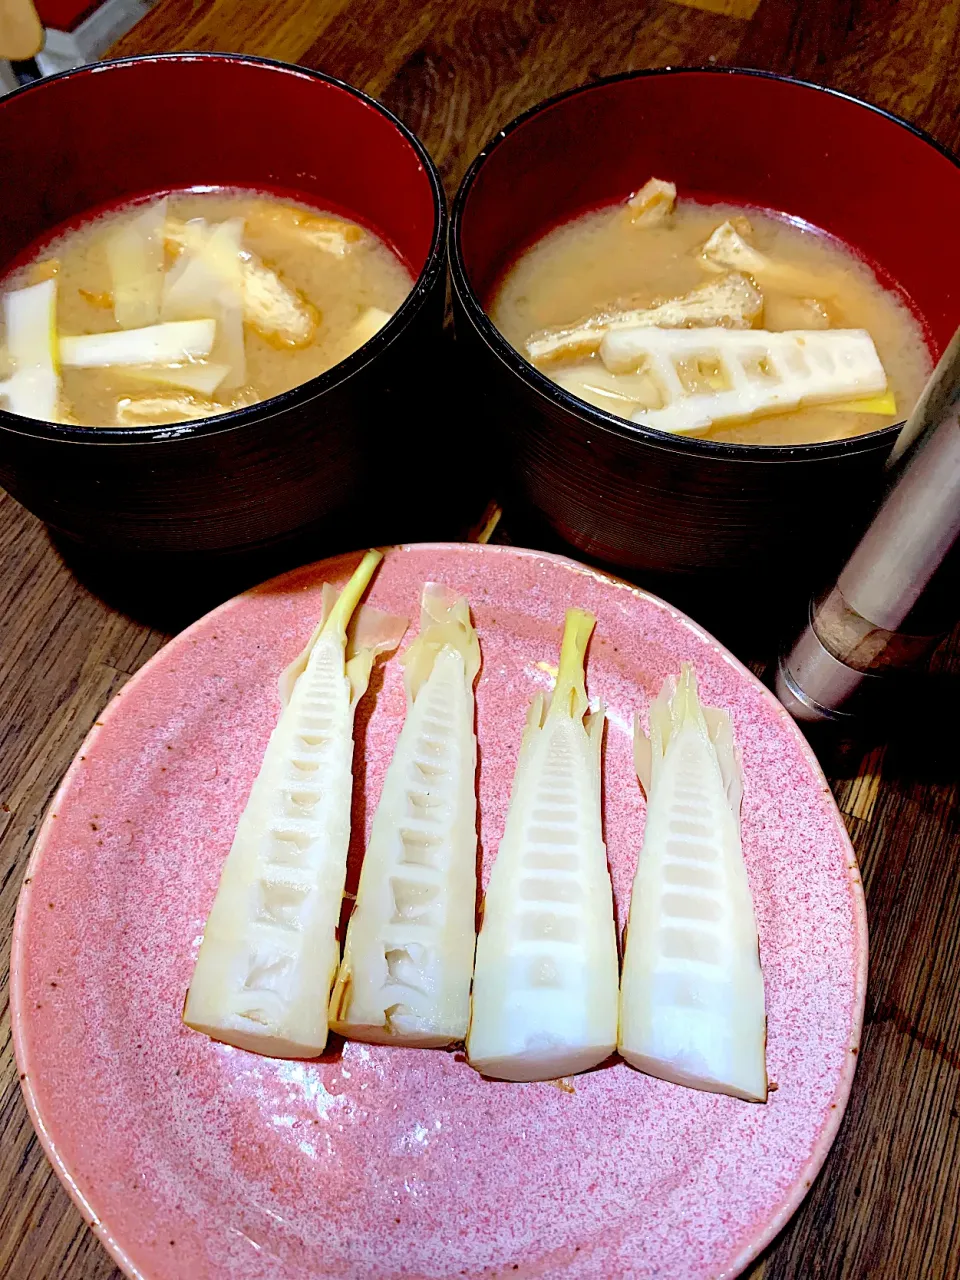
(204, 302)
(713, 320)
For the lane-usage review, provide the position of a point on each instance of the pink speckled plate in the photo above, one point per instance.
(193, 1160)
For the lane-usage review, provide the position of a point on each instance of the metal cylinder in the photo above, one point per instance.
(898, 593)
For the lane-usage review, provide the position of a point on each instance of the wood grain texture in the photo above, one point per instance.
(728, 8)
(887, 1203)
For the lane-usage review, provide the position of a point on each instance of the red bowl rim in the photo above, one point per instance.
(304, 392)
(599, 419)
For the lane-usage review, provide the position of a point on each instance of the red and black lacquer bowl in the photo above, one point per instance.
(641, 499)
(108, 133)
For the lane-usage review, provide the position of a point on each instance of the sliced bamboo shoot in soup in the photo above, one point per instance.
(191, 305)
(733, 324)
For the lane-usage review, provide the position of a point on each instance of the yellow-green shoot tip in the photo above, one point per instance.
(349, 597)
(570, 695)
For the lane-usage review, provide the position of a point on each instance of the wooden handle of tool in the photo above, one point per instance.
(21, 32)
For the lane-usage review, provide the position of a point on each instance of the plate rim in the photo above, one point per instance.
(808, 1172)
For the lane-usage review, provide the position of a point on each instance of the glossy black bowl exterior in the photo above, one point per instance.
(305, 459)
(241, 481)
(619, 492)
(650, 505)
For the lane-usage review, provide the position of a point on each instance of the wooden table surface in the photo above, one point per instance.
(888, 1200)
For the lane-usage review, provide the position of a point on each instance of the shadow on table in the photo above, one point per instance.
(910, 715)
(752, 616)
(169, 591)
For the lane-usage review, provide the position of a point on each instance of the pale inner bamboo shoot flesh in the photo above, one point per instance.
(692, 1002)
(545, 982)
(408, 959)
(270, 952)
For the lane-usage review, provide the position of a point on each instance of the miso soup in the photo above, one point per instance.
(190, 305)
(717, 321)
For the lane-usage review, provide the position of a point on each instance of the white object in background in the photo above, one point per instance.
(757, 371)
